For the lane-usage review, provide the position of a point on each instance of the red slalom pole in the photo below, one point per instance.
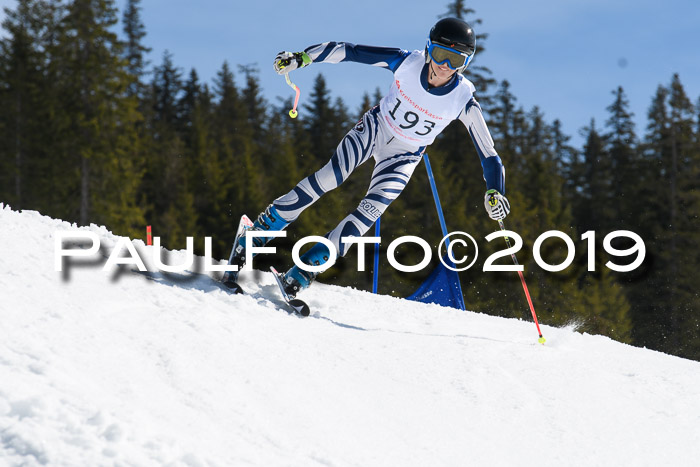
(541, 340)
(149, 236)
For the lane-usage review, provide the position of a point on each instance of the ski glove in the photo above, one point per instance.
(496, 205)
(288, 61)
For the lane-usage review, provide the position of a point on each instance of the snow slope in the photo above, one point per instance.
(126, 368)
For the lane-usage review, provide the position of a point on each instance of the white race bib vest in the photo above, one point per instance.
(414, 115)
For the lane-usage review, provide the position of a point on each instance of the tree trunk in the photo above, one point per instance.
(675, 309)
(84, 191)
(19, 159)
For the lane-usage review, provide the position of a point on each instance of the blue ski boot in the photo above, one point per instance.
(269, 219)
(296, 279)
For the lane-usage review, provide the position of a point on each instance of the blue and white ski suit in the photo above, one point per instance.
(395, 132)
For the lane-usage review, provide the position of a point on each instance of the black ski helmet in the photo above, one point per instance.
(454, 33)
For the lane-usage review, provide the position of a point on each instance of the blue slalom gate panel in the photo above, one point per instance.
(441, 287)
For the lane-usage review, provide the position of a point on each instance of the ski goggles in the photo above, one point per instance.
(441, 54)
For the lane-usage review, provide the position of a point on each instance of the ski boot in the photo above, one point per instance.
(296, 279)
(269, 219)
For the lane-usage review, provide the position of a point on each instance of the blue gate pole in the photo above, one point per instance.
(431, 179)
(375, 273)
(438, 206)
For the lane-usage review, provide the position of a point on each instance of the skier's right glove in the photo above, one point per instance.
(288, 61)
(496, 205)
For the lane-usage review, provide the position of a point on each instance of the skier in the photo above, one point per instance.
(428, 92)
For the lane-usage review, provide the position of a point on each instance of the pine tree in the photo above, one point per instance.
(166, 88)
(92, 80)
(134, 50)
(319, 123)
(365, 105)
(691, 195)
(621, 147)
(480, 75)
(502, 121)
(566, 158)
(167, 186)
(27, 101)
(187, 105)
(18, 60)
(234, 135)
(256, 115)
(255, 105)
(669, 304)
(594, 207)
(649, 295)
(205, 176)
(683, 228)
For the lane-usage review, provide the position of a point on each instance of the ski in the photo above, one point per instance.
(297, 306)
(230, 278)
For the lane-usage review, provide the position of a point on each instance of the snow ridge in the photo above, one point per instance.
(123, 367)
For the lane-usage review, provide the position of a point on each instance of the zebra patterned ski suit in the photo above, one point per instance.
(395, 133)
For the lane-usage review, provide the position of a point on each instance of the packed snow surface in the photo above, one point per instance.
(122, 367)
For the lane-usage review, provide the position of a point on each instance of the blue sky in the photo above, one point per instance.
(565, 56)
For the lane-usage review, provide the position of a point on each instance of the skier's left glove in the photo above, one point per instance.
(288, 61)
(496, 205)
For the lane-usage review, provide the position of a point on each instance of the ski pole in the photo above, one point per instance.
(541, 340)
(293, 113)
